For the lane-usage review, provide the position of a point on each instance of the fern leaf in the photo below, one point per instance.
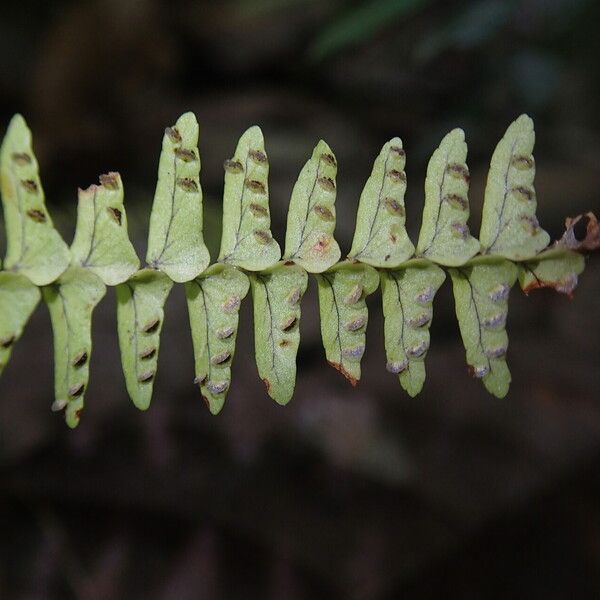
(214, 302)
(18, 299)
(445, 237)
(309, 239)
(247, 241)
(276, 294)
(34, 247)
(380, 238)
(71, 301)
(509, 226)
(140, 317)
(408, 294)
(101, 243)
(557, 268)
(481, 289)
(176, 242)
(344, 314)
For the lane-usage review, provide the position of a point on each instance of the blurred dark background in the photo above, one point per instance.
(346, 493)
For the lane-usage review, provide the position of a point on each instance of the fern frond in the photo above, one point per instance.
(513, 246)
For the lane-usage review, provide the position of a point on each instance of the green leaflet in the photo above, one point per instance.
(309, 237)
(175, 242)
(408, 294)
(214, 301)
(101, 243)
(509, 227)
(34, 247)
(71, 301)
(18, 299)
(344, 314)
(140, 316)
(380, 238)
(481, 289)
(445, 237)
(556, 268)
(246, 240)
(276, 295)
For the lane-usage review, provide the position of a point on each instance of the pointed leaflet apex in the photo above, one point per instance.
(309, 239)
(214, 301)
(344, 314)
(101, 243)
(509, 227)
(380, 238)
(140, 317)
(445, 237)
(408, 294)
(276, 294)
(71, 301)
(246, 240)
(176, 242)
(481, 289)
(34, 247)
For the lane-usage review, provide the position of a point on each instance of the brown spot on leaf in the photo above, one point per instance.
(257, 210)
(76, 390)
(262, 236)
(326, 183)
(324, 213)
(321, 244)
(233, 166)
(399, 151)
(339, 367)
(110, 181)
(284, 343)
(457, 201)
(257, 156)
(21, 158)
(522, 162)
(231, 304)
(267, 384)
(187, 184)
(148, 354)
(458, 170)
(524, 194)
(146, 377)
(289, 323)
(36, 215)
(256, 186)
(184, 154)
(80, 360)
(151, 327)
(328, 159)
(221, 358)
(397, 176)
(173, 134)
(30, 185)
(115, 214)
(394, 207)
(530, 223)
(7, 342)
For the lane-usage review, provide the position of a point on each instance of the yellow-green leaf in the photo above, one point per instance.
(101, 242)
(214, 301)
(18, 299)
(247, 241)
(380, 237)
(509, 226)
(71, 301)
(140, 317)
(481, 289)
(309, 239)
(34, 247)
(344, 314)
(445, 237)
(408, 294)
(557, 268)
(176, 242)
(276, 294)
